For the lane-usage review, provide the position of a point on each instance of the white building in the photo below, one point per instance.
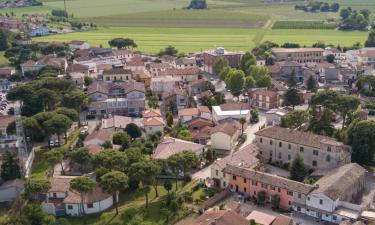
(76, 44)
(224, 136)
(231, 110)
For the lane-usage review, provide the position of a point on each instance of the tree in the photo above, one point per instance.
(345, 13)
(80, 156)
(120, 43)
(48, 98)
(10, 167)
(243, 122)
(292, 80)
(370, 42)
(275, 201)
(361, 136)
(111, 160)
(152, 101)
(254, 115)
(261, 197)
(247, 60)
(82, 185)
(219, 64)
(295, 119)
(330, 58)
(61, 221)
(168, 185)
(169, 50)
(298, 169)
(185, 134)
(311, 84)
(260, 75)
(185, 160)
(58, 124)
(320, 122)
(235, 81)
(223, 74)
(329, 99)
(133, 130)
(34, 215)
(88, 81)
(210, 155)
(53, 157)
(71, 113)
(197, 4)
(112, 183)
(34, 187)
(249, 83)
(347, 105)
(121, 138)
(4, 40)
(169, 119)
(75, 100)
(293, 97)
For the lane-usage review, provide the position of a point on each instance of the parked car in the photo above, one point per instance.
(51, 143)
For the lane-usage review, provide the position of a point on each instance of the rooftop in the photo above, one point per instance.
(244, 158)
(291, 50)
(171, 146)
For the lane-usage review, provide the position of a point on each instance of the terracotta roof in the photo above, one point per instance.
(325, 65)
(60, 184)
(294, 136)
(94, 149)
(78, 68)
(227, 128)
(180, 72)
(337, 182)
(100, 134)
(184, 60)
(160, 65)
(204, 109)
(199, 122)
(116, 71)
(202, 133)
(151, 113)
(5, 72)
(153, 121)
(188, 112)
(282, 220)
(245, 157)
(5, 120)
(290, 50)
(122, 51)
(171, 146)
(261, 217)
(103, 67)
(289, 64)
(220, 217)
(104, 87)
(207, 93)
(234, 106)
(197, 82)
(265, 92)
(95, 195)
(116, 122)
(269, 179)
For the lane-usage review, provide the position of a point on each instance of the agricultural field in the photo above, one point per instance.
(317, 25)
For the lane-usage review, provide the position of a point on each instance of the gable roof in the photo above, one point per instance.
(220, 217)
(151, 113)
(153, 121)
(261, 217)
(116, 71)
(337, 182)
(244, 158)
(188, 112)
(100, 135)
(171, 146)
(228, 128)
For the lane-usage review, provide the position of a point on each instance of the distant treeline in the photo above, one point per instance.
(316, 6)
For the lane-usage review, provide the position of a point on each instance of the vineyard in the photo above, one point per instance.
(304, 25)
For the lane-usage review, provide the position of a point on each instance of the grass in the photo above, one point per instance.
(3, 61)
(151, 40)
(303, 25)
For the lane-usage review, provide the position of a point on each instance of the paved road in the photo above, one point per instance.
(252, 128)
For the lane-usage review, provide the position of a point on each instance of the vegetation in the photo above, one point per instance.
(298, 169)
(316, 6)
(316, 25)
(197, 4)
(10, 168)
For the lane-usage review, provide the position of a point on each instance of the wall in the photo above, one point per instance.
(220, 140)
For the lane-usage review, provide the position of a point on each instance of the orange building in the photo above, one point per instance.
(250, 182)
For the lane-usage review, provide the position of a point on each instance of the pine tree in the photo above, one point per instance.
(298, 169)
(292, 80)
(311, 84)
(10, 169)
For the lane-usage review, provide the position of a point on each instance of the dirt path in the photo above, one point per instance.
(260, 35)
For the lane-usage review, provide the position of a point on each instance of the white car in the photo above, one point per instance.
(51, 143)
(84, 130)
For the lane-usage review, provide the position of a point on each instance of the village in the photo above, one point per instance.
(268, 140)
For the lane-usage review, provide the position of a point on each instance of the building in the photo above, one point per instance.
(224, 136)
(274, 116)
(246, 158)
(288, 67)
(98, 138)
(5, 74)
(79, 69)
(116, 123)
(197, 86)
(250, 182)
(184, 62)
(187, 114)
(163, 84)
(265, 99)
(184, 75)
(77, 44)
(156, 68)
(31, 66)
(174, 100)
(200, 129)
(328, 72)
(170, 146)
(61, 200)
(119, 98)
(153, 124)
(268, 219)
(220, 217)
(300, 55)
(39, 31)
(10, 190)
(117, 75)
(279, 144)
(231, 110)
(336, 191)
(209, 57)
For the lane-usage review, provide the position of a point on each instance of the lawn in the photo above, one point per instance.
(151, 40)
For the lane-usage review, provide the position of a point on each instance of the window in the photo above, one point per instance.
(315, 152)
(234, 178)
(328, 148)
(308, 198)
(280, 144)
(244, 180)
(328, 158)
(289, 146)
(298, 208)
(255, 192)
(271, 142)
(321, 201)
(270, 153)
(279, 155)
(244, 189)
(301, 149)
(224, 175)
(289, 157)
(289, 203)
(90, 205)
(264, 185)
(70, 207)
(224, 184)
(290, 193)
(279, 190)
(54, 195)
(334, 217)
(217, 172)
(261, 140)
(255, 183)
(273, 188)
(314, 163)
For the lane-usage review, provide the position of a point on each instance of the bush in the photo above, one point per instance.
(187, 177)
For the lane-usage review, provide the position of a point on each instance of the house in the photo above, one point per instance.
(117, 75)
(151, 113)
(185, 115)
(153, 124)
(98, 138)
(79, 69)
(174, 100)
(62, 200)
(245, 157)
(328, 72)
(300, 55)
(5, 74)
(185, 75)
(163, 84)
(279, 144)
(287, 68)
(332, 200)
(197, 86)
(231, 110)
(156, 68)
(267, 219)
(135, 64)
(32, 66)
(184, 62)
(124, 55)
(274, 116)
(209, 57)
(77, 45)
(265, 99)
(170, 146)
(116, 123)
(39, 31)
(120, 98)
(220, 217)
(11, 189)
(94, 149)
(249, 182)
(224, 136)
(200, 129)
(142, 76)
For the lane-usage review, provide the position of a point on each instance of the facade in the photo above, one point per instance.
(39, 31)
(163, 84)
(288, 67)
(5, 74)
(209, 57)
(231, 110)
(279, 144)
(184, 75)
(224, 136)
(300, 55)
(197, 86)
(200, 129)
(265, 99)
(246, 157)
(153, 124)
(116, 123)
(117, 75)
(77, 44)
(182, 63)
(274, 116)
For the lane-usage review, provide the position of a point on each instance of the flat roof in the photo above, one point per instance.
(220, 112)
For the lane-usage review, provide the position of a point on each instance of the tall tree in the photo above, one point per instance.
(111, 160)
(122, 43)
(370, 42)
(76, 100)
(347, 105)
(320, 122)
(235, 81)
(53, 157)
(35, 187)
(247, 60)
(292, 79)
(112, 183)
(361, 136)
(293, 97)
(82, 185)
(295, 119)
(133, 130)
(298, 169)
(10, 167)
(168, 185)
(169, 119)
(80, 156)
(311, 84)
(219, 64)
(58, 124)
